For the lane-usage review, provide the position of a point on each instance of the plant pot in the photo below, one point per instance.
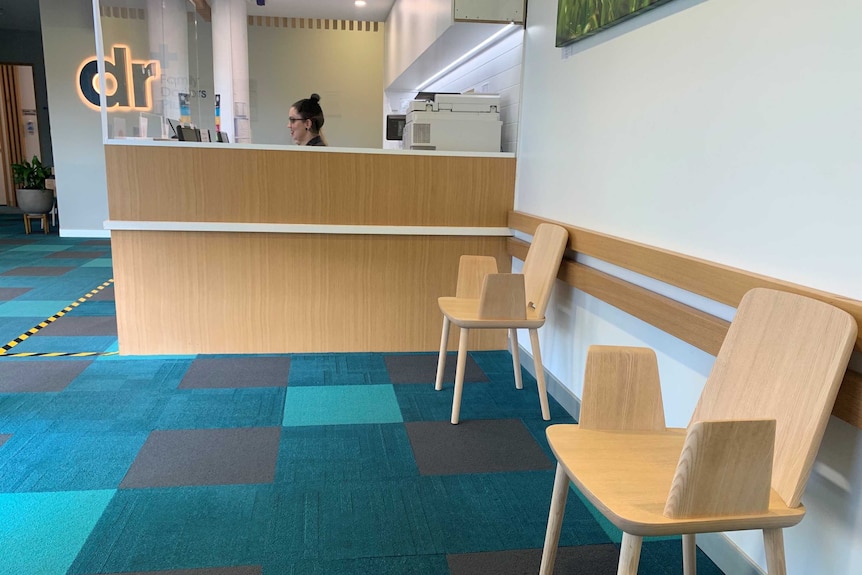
(35, 201)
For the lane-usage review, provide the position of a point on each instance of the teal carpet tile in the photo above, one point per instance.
(337, 369)
(43, 532)
(344, 404)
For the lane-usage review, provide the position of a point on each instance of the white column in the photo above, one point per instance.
(169, 44)
(230, 67)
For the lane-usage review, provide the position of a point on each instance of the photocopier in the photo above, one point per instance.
(454, 122)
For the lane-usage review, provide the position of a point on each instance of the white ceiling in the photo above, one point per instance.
(374, 11)
(24, 14)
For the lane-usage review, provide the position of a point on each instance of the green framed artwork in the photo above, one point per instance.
(577, 19)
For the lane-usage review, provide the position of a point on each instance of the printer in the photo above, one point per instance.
(454, 122)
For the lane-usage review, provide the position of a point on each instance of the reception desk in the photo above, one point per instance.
(253, 249)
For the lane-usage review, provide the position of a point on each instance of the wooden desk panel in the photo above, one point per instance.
(186, 292)
(265, 292)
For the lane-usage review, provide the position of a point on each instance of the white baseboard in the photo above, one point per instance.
(67, 233)
(717, 546)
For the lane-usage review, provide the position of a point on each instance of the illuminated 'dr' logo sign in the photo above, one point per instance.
(127, 81)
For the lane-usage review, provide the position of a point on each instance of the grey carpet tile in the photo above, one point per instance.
(78, 255)
(582, 560)
(475, 446)
(106, 294)
(231, 456)
(234, 372)
(38, 271)
(7, 294)
(80, 325)
(423, 368)
(40, 376)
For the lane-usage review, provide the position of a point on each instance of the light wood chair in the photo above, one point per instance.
(485, 299)
(746, 455)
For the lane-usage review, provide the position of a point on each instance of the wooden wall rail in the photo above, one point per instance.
(717, 282)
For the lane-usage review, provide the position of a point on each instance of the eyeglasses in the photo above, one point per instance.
(292, 120)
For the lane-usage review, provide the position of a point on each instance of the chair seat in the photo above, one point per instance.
(464, 312)
(627, 476)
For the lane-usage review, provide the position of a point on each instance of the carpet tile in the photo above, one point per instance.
(422, 368)
(475, 446)
(38, 271)
(78, 326)
(181, 457)
(37, 376)
(51, 461)
(340, 404)
(38, 309)
(43, 532)
(11, 293)
(270, 464)
(213, 372)
(337, 369)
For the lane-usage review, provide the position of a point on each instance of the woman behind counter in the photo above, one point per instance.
(305, 120)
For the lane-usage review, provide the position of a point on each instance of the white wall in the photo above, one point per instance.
(344, 66)
(729, 130)
(412, 27)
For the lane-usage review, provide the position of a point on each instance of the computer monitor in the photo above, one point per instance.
(186, 134)
(174, 124)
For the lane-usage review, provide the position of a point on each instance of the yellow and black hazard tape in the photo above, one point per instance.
(34, 330)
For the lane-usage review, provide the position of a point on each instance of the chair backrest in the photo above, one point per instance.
(783, 358)
(542, 264)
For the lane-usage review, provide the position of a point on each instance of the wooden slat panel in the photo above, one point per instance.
(693, 326)
(181, 292)
(12, 148)
(309, 187)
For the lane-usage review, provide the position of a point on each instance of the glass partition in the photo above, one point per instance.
(158, 66)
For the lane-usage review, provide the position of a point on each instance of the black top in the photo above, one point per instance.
(315, 141)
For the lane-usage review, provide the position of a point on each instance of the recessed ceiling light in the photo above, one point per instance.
(360, 3)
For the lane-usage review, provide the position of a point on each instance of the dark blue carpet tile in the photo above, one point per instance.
(178, 528)
(665, 558)
(422, 516)
(66, 344)
(66, 461)
(142, 375)
(95, 308)
(498, 398)
(262, 407)
(339, 453)
(408, 565)
(337, 369)
(75, 284)
(22, 412)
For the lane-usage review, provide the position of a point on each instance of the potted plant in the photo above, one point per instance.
(31, 194)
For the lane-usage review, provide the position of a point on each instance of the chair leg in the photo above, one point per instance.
(516, 358)
(689, 554)
(540, 374)
(459, 375)
(555, 521)
(630, 554)
(773, 540)
(441, 361)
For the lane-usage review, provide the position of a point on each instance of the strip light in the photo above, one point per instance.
(505, 31)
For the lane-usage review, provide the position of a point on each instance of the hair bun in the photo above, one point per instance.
(315, 97)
